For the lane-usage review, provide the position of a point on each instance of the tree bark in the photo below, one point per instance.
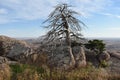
(68, 41)
(72, 61)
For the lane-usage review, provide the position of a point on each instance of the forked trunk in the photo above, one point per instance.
(72, 59)
(68, 41)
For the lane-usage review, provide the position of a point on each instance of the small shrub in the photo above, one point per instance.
(96, 45)
(27, 72)
(103, 63)
(17, 68)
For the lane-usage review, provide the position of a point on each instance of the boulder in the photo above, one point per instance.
(104, 56)
(3, 60)
(59, 57)
(81, 58)
(115, 54)
(14, 49)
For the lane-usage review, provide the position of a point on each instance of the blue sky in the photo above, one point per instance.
(23, 18)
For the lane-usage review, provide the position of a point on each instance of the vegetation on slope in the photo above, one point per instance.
(28, 72)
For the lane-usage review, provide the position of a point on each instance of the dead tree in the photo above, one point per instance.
(63, 25)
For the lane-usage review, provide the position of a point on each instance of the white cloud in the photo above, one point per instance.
(39, 9)
(112, 32)
(111, 15)
(114, 29)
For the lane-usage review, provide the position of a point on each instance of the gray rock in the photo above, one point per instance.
(3, 60)
(104, 56)
(60, 57)
(81, 58)
(13, 48)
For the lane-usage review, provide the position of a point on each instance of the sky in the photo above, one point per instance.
(24, 18)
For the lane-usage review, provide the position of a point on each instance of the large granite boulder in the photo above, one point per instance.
(3, 60)
(81, 58)
(14, 49)
(59, 56)
(104, 56)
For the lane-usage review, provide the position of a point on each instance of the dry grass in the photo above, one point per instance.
(114, 76)
(36, 59)
(87, 73)
(28, 72)
(43, 72)
(5, 72)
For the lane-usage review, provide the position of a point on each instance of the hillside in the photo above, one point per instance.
(112, 44)
(27, 57)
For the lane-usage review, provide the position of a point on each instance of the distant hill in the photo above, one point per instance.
(113, 44)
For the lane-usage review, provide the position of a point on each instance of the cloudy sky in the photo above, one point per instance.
(23, 18)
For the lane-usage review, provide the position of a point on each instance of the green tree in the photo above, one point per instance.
(63, 25)
(96, 45)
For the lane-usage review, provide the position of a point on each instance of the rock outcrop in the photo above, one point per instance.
(104, 56)
(14, 49)
(59, 56)
(3, 60)
(81, 58)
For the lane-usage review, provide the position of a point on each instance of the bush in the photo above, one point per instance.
(25, 72)
(17, 68)
(103, 63)
(96, 45)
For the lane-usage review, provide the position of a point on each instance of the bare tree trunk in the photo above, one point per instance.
(68, 41)
(72, 59)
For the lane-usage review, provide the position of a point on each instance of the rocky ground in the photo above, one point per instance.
(12, 51)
